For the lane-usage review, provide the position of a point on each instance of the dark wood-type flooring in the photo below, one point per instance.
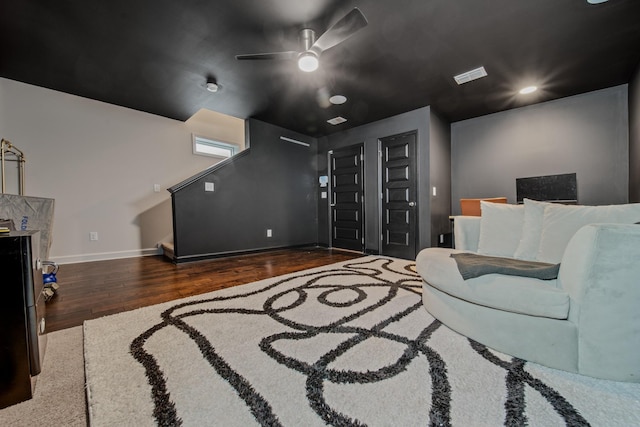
(95, 289)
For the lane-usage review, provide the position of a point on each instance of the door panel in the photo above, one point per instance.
(347, 191)
(399, 192)
(400, 173)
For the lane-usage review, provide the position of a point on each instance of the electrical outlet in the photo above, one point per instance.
(156, 188)
(93, 236)
(208, 186)
(269, 232)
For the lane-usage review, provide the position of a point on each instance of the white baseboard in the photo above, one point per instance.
(103, 256)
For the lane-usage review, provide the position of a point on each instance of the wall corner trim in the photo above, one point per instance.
(207, 171)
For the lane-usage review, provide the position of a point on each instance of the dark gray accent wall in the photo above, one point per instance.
(418, 120)
(273, 186)
(587, 134)
(634, 138)
(439, 176)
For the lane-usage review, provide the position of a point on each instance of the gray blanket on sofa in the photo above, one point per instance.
(474, 265)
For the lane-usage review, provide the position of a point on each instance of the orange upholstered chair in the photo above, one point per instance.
(471, 207)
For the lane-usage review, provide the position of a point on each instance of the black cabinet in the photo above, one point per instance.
(22, 315)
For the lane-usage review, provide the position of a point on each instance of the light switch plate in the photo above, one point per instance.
(208, 186)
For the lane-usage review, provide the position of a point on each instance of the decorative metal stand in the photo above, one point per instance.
(15, 155)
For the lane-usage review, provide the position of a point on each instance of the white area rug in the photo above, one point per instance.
(347, 344)
(59, 398)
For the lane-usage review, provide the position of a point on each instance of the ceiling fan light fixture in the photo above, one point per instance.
(308, 61)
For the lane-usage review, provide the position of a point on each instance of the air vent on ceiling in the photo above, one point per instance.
(470, 75)
(336, 120)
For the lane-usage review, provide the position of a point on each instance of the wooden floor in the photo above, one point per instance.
(95, 289)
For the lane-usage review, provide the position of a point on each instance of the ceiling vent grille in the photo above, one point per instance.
(337, 120)
(470, 75)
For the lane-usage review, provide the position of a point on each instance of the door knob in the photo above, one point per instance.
(412, 204)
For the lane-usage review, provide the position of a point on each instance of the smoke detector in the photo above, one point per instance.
(212, 87)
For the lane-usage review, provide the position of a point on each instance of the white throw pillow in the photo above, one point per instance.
(500, 228)
(531, 230)
(560, 223)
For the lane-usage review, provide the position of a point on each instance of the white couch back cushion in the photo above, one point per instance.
(561, 222)
(500, 228)
(531, 230)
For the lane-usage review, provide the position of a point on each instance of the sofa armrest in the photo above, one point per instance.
(466, 231)
(600, 270)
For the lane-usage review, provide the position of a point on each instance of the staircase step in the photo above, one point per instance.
(167, 250)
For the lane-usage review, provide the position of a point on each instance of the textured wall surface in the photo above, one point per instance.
(587, 134)
(634, 138)
(272, 187)
(100, 163)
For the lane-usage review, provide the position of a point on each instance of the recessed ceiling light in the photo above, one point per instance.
(336, 120)
(596, 1)
(338, 99)
(528, 89)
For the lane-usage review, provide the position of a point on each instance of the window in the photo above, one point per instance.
(209, 147)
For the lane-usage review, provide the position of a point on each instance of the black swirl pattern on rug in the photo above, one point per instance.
(516, 380)
(319, 373)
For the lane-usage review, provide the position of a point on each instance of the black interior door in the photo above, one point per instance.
(399, 206)
(347, 193)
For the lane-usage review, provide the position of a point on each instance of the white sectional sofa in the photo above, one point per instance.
(587, 320)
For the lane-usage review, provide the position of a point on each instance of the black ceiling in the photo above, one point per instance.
(155, 56)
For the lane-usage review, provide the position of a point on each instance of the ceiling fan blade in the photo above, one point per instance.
(274, 55)
(341, 30)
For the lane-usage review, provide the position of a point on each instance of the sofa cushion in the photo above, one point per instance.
(500, 228)
(522, 295)
(466, 232)
(561, 222)
(531, 230)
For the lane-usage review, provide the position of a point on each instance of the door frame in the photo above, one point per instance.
(330, 203)
(380, 192)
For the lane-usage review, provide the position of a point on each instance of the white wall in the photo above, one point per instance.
(100, 163)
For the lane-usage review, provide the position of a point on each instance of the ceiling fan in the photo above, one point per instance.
(308, 57)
